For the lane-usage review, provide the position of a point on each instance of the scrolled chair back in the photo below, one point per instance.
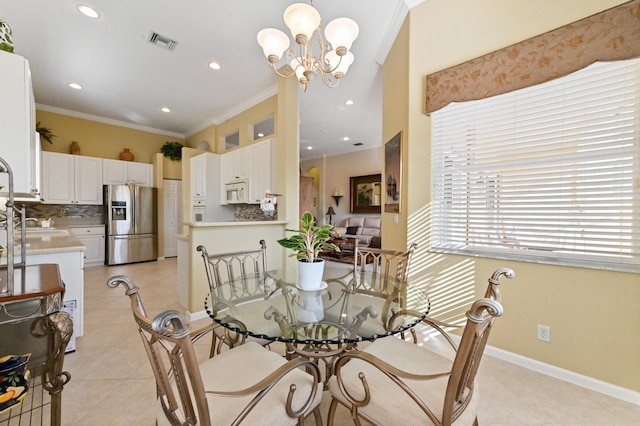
(393, 381)
(223, 267)
(243, 384)
(167, 342)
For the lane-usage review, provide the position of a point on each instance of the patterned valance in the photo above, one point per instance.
(610, 35)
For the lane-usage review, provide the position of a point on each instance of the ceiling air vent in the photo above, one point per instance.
(162, 41)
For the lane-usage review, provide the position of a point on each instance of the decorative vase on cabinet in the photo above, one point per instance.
(74, 148)
(126, 155)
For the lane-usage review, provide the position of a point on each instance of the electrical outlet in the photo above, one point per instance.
(544, 333)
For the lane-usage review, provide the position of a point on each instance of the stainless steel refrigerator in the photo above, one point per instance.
(131, 218)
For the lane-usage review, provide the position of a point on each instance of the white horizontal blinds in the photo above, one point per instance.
(550, 171)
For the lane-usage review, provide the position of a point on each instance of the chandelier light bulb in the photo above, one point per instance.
(273, 42)
(302, 19)
(341, 33)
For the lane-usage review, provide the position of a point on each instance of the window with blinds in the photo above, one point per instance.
(550, 173)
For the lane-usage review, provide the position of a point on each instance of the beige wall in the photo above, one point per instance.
(231, 238)
(225, 239)
(97, 139)
(593, 314)
(334, 172)
(242, 122)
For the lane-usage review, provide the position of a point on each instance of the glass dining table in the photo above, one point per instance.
(349, 308)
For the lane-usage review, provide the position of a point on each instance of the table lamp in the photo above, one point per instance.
(330, 213)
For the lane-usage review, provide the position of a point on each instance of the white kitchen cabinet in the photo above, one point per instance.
(235, 165)
(140, 173)
(71, 179)
(19, 142)
(259, 159)
(118, 172)
(252, 162)
(205, 188)
(71, 266)
(198, 167)
(93, 239)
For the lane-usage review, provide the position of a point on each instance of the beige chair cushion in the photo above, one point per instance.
(240, 368)
(389, 404)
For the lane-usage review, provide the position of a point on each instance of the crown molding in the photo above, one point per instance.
(399, 15)
(262, 96)
(110, 121)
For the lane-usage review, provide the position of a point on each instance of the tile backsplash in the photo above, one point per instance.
(64, 212)
(69, 213)
(251, 212)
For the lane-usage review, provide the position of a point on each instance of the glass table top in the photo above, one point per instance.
(347, 309)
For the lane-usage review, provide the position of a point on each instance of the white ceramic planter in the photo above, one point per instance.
(310, 275)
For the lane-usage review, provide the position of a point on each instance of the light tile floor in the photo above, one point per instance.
(112, 383)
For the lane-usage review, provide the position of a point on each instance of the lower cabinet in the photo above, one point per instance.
(71, 267)
(93, 238)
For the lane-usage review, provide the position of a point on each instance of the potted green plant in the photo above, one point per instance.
(172, 150)
(306, 244)
(45, 133)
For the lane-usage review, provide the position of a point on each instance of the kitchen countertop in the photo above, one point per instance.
(44, 244)
(99, 225)
(48, 240)
(238, 223)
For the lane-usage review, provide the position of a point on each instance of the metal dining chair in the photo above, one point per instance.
(376, 273)
(393, 381)
(247, 268)
(246, 384)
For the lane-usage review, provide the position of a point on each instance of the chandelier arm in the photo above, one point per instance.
(330, 82)
(331, 70)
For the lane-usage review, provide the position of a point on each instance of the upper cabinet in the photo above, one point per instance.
(259, 159)
(198, 178)
(252, 162)
(71, 179)
(19, 144)
(117, 172)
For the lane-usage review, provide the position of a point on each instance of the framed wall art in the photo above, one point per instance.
(393, 173)
(366, 193)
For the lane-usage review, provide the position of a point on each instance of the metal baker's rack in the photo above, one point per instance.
(11, 216)
(35, 312)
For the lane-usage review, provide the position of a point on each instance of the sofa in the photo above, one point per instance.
(364, 229)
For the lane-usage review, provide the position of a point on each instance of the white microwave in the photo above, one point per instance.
(236, 192)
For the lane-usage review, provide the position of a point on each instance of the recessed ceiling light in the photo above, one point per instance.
(87, 11)
(215, 66)
(349, 102)
(346, 138)
(165, 109)
(75, 86)
(309, 148)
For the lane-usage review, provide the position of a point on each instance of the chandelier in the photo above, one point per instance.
(304, 22)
